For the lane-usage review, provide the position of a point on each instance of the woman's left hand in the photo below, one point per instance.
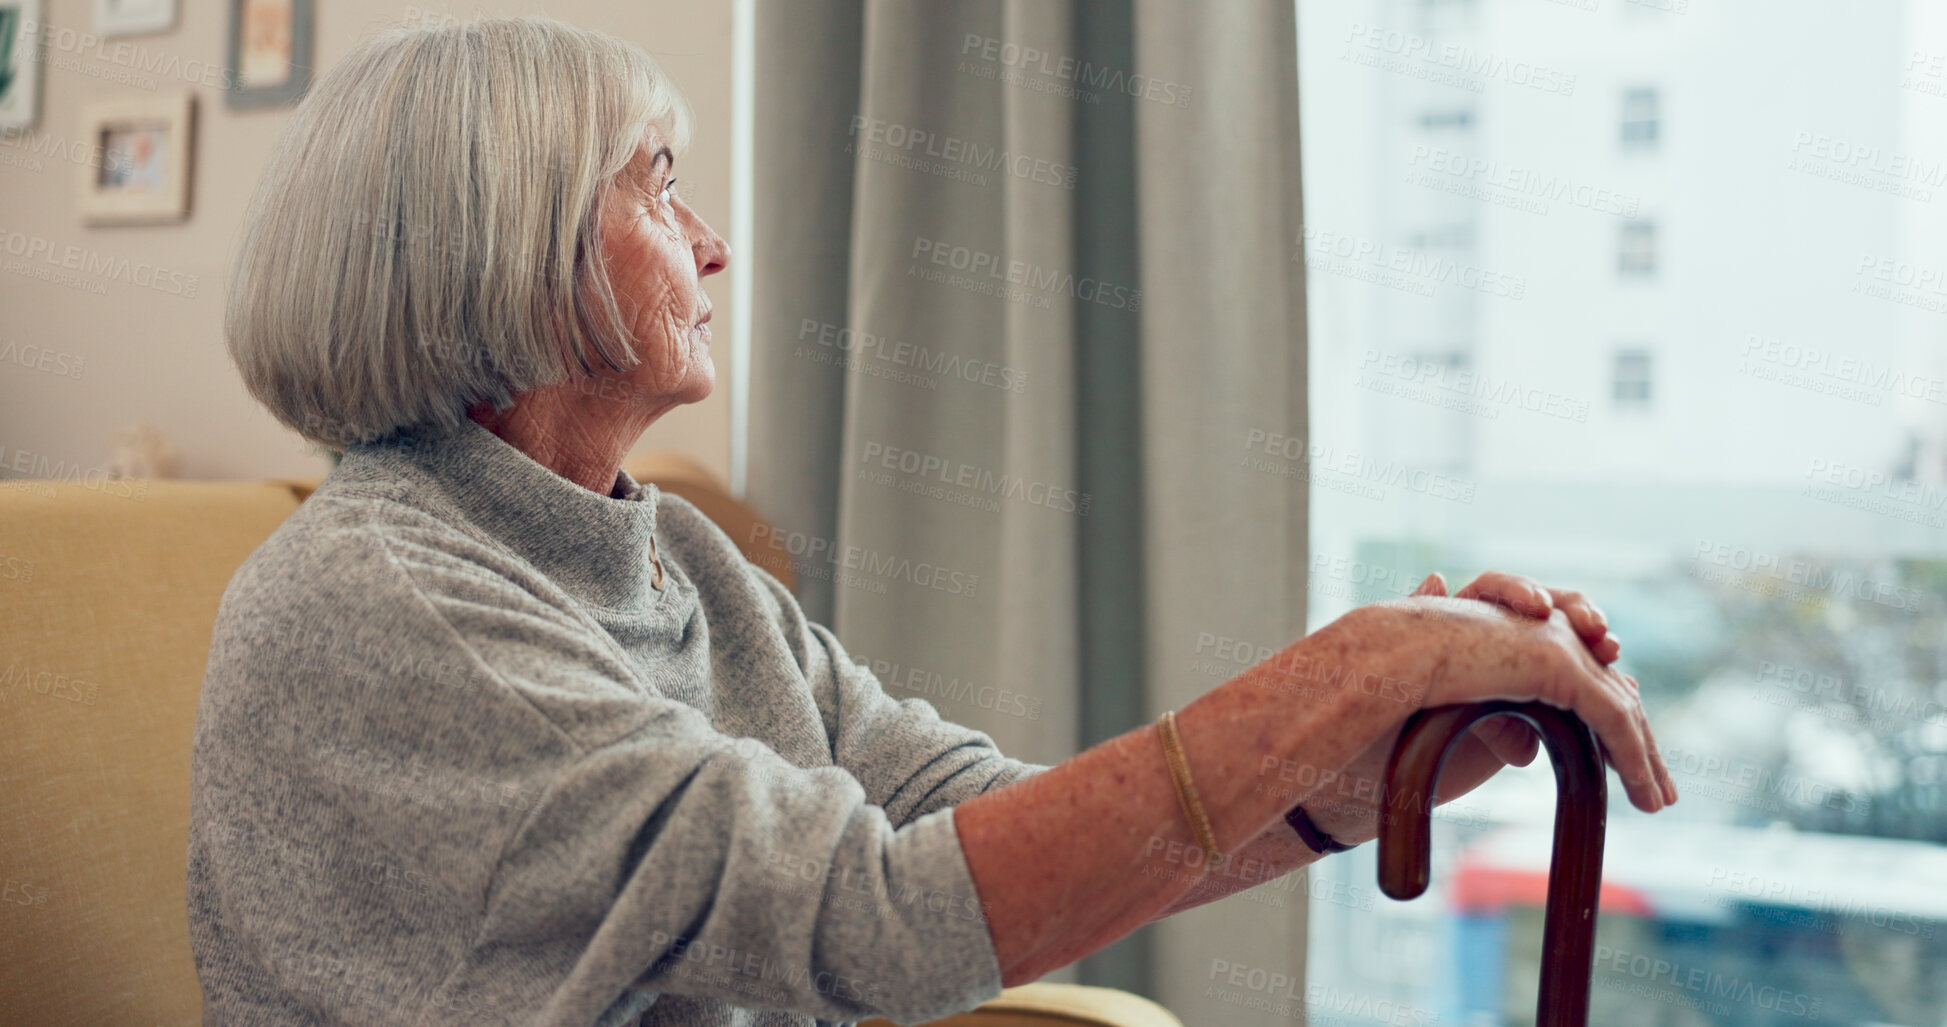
(1491, 744)
(1527, 596)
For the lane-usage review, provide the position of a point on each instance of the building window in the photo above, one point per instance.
(1636, 252)
(1633, 386)
(1639, 119)
(1453, 117)
(1450, 361)
(1453, 234)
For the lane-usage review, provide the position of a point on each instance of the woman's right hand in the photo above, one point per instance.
(1443, 652)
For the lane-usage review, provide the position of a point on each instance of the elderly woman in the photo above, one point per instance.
(493, 733)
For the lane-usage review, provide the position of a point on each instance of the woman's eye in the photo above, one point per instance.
(669, 192)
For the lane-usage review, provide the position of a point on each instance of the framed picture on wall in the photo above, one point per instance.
(133, 17)
(270, 52)
(20, 64)
(147, 147)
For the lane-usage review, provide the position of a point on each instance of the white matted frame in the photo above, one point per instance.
(134, 17)
(20, 64)
(147, 147)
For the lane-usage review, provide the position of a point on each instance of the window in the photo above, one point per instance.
(1451, 117)
(1453, 235)
(1446, 361)
(1631, 385)
(1639, 119)
(1767, 530)
(1636, 249)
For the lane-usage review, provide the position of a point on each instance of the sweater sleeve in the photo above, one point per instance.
(675, 861)
(910, 761)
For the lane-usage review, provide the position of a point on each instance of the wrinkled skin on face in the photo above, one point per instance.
(657, 251)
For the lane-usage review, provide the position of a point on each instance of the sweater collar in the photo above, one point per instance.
(596, 548)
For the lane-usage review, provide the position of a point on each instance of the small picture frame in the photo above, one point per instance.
(20, 64)
(134, 17)
(270, 53)
(147, 147)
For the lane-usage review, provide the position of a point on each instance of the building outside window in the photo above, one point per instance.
(1766, 527)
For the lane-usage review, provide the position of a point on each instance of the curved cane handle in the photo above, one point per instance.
(1575, 868)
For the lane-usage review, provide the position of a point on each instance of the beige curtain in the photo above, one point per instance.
(1027, 286)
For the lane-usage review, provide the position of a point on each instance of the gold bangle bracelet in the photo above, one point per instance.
(1186, 790)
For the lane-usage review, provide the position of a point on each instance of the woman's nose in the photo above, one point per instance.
(716, 258)
(712, 253)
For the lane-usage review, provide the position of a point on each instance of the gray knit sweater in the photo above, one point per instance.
(459, 760)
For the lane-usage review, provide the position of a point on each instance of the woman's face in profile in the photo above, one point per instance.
(657, 251)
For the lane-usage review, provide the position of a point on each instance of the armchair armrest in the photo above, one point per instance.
(1044, 1004)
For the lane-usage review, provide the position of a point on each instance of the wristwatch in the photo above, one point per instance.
(1320, 842)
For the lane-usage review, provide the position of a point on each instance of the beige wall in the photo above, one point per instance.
(148, 354)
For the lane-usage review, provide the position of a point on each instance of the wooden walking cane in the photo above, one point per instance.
(1575, 870)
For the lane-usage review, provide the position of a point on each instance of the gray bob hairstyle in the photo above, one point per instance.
(427, 233)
